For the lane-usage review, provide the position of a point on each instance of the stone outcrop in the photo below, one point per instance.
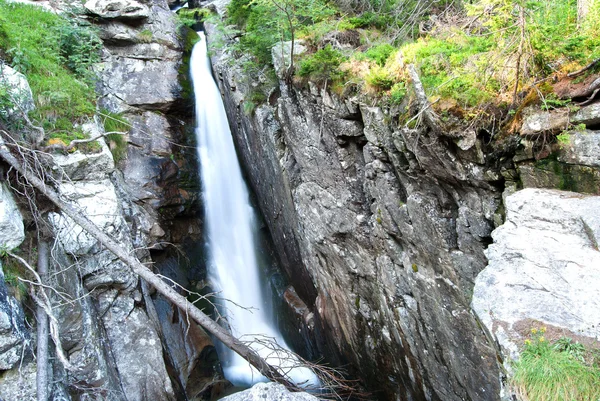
(118, 9)
(382, 230)
(13, 334)
(109, 326)
(544, 268)
(11, 222)
(269, 392)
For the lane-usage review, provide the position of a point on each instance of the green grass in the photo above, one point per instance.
(55, 56)
(114, 122)
(555, 373)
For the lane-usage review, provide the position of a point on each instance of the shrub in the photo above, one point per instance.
(398, 93)
(379, 78)
(322, 65)
(370, 19)
(380, 53)
(79, 49)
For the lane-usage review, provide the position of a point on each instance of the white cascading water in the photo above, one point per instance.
(232, 259)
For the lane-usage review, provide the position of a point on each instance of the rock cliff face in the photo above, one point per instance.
(123, 341)
(383, 228)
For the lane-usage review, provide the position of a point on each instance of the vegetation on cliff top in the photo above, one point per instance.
(470, 55)
(56, 55)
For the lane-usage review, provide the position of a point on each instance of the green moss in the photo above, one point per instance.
(145, 36)
(189, 38)
(569, 177)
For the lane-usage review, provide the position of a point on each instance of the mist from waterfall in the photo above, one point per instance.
(232, 260)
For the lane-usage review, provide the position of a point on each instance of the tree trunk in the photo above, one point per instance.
(165, 289)
(42, 329)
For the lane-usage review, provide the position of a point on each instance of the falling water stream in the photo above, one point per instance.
(232, 258)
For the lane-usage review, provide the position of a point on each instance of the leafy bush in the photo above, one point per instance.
(379, 78)
(79, 49)
(265, 22)
(191, 17)
(322, 65)
(371, 19)
(380, 53)
(555, 373)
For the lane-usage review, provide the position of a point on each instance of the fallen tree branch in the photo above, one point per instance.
(142, 271)
(44, 303)
(584, 69)
(42, 329)
(75, 142)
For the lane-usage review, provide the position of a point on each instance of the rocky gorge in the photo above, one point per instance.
(418, 258)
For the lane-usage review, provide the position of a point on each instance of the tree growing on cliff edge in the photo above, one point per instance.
(266, 22)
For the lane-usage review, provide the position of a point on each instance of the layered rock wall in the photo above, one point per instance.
(381, 228)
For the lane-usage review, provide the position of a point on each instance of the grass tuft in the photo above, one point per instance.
(547, 372)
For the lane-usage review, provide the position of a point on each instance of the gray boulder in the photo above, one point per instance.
(11, 222)
(18, 92)
(118, 9)
(558, 120)
(86, 166)
(544, 266)
(19, 384)
(269, 392)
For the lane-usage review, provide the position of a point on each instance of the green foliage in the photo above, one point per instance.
(551, 102)
(380, 53)
(192, 16)
(548, 372)
(371, 19)
(322, 65)
(398, 93)
(79, 49)
(379, 78)
(563, 139)
(56, 57)
(12, 271)
(266, 22)
(115, 122)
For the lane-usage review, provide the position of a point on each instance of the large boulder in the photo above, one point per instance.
(118, 9)
(17, 90)
(544, 267)
(269, 392)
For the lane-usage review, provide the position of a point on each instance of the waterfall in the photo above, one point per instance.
(228, 221)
